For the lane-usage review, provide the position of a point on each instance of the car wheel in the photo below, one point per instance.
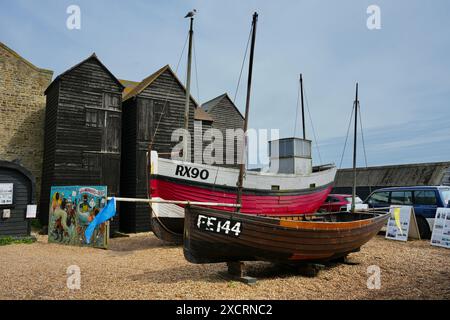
(424, 228)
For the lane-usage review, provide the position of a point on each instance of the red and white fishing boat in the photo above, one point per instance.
(264, 193)
(290, 186)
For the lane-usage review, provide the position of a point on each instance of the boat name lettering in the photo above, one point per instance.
(219, 225)
(186, 171)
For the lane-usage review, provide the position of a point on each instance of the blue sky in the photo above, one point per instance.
(403, 69)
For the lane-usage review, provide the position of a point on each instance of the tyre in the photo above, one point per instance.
(424, 228)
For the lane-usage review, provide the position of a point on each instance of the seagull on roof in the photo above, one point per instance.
(191, 13)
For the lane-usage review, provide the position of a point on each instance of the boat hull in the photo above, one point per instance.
(272, 239)
(263, 193)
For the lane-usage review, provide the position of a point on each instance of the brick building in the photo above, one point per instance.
(22, 106)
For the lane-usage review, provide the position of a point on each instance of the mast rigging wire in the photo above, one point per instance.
(346, 137)
(195, 68)
(364, 149)
(312, 126)
(296, 109)
(243, 63)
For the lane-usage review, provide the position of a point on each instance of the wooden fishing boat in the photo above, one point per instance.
(213, 236)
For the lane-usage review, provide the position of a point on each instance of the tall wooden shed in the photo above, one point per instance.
(82, 144)
(152, 110)
(226, 115)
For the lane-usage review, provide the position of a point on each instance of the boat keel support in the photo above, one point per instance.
(236, 272)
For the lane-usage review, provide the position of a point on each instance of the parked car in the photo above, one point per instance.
(425, 200)
(338, 202)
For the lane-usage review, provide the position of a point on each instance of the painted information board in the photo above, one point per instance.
(441, 230)
(71, 210)
(402, 224)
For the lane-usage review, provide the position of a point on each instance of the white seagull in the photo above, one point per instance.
(191, 14)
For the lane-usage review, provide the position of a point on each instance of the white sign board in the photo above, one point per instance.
(6, 193)
(31, 211)
(441, 230)
(402, 224)
(6, 213)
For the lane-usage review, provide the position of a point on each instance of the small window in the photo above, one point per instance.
(424, 197)
(312, 185)
(91, 162)
(91, 118)
(379, 198)
(111, 101)
(161, 108)
(275, 188)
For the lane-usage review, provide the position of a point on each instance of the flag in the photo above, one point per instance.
(104, 215)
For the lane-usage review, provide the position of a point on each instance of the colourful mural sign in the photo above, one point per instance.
(71, 210)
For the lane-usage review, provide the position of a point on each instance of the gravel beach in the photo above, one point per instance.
(141, 267)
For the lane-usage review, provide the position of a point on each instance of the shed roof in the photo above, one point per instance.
(134, 91)
(202, 115)
(129, 85)
(209, 105)
(92, 56)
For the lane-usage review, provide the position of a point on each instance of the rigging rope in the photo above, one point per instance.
(364, 148)
(312, 126)
(243, 63)
(152, 212)
(168, 93)
(296, 109)
(195, 67)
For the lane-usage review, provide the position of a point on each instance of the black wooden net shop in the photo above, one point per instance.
(82, 141)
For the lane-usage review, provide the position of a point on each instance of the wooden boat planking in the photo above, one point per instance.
(277, 240)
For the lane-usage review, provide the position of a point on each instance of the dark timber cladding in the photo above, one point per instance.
(226, 116)
(158, 98)
(82, 131)
(23, 194)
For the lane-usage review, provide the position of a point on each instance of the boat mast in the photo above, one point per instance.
(303, 107)
(247, 107)
(354, 150)
(188, 92)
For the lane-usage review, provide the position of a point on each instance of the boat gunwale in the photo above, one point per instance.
(289, 224)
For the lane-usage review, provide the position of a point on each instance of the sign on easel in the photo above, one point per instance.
(402, 224)
(441, 230)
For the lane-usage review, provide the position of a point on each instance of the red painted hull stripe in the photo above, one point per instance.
(252, 204)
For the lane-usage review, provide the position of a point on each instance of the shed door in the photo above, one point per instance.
(110, 172)
(111, 133)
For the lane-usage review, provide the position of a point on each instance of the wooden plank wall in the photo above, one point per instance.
(79, 155)
(225, 117)
(143, 113)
